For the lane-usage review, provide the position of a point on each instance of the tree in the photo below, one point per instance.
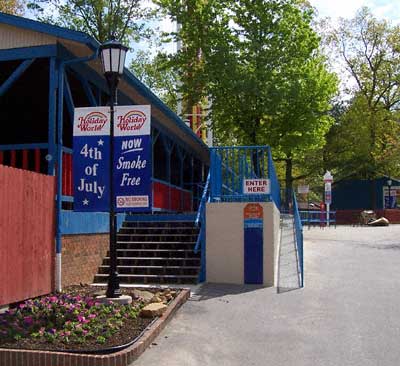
(268, 84)
(260, 65)
(102, 19)
(15, 7)
(370, 51)
(155, 73)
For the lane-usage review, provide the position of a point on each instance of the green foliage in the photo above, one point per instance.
(157, 75)
(102, 19)
(371, 52)
(258, 62)
(364, 142)
(15, 7)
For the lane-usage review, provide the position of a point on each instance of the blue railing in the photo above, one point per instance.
(201, 222)
(299, 238)
(315, 217)
(230, 166)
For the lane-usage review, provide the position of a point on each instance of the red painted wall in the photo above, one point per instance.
(27, 214)
(171, 198)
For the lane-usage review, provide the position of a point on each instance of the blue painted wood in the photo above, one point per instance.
(67, 150)
(87, 90)
(87, 222)
(15, 76)
(24, 146)
(67, 198)
(68, 97)
(53, 81)
(28, 52)
(52, 30)
(253, 254)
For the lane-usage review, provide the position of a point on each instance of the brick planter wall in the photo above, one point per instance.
(81, 257)
(14, 357)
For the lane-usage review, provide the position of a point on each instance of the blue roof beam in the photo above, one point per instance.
(28, 52)
(15, 76)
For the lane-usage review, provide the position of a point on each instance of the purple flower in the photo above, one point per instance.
(28, 320)
(92, 316)
(52, 331)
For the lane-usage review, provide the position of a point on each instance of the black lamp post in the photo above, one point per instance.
(389, 183)
(113, 59)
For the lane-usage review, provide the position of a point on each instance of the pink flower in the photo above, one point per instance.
(92, 316)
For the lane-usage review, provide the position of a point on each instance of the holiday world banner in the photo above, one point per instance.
(91, 161)
(132, 159)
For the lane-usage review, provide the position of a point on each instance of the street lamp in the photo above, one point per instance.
(113, 59)
(389, 183)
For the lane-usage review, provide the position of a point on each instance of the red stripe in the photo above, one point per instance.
(24, 159)
(13, 158)
(37, 160)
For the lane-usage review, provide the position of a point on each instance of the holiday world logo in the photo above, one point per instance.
(94, 121)
(131, 121)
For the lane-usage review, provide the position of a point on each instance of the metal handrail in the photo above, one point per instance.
(201, 221)
(299, 237)
(203, 200)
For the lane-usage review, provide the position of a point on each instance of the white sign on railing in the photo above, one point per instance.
(256, 186)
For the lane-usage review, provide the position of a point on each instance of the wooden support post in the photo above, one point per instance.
(24, 159)
(37, 160)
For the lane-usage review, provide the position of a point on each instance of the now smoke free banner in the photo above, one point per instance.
(132, 158)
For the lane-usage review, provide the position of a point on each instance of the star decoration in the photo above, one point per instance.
(100, 142)
(85, 202)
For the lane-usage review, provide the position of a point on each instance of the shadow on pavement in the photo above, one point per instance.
(214, 290)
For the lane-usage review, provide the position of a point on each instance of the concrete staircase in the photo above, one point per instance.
(155, 252)
(288, 272)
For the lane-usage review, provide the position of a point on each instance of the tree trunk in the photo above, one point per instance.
(288, 183)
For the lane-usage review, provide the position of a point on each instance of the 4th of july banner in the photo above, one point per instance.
(132, 159)
(91, 159)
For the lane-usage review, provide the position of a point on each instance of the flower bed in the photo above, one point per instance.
(75, 320)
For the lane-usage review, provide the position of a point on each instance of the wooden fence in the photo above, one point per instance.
(27, 212)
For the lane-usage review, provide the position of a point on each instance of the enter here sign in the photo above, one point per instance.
(256, 186)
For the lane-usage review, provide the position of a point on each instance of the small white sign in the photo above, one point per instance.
(256, 186)
(328, 178)
(328, 187)
(303, 189)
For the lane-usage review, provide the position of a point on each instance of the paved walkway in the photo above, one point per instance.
(348, 313)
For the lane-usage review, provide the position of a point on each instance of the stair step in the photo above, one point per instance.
(154, 258)
(155, 252)
(148, 276)
(166, 267)
(156, 242)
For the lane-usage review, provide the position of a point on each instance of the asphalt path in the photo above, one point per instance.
(347, 314)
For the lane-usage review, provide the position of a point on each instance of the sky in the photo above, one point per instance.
(382, 9)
